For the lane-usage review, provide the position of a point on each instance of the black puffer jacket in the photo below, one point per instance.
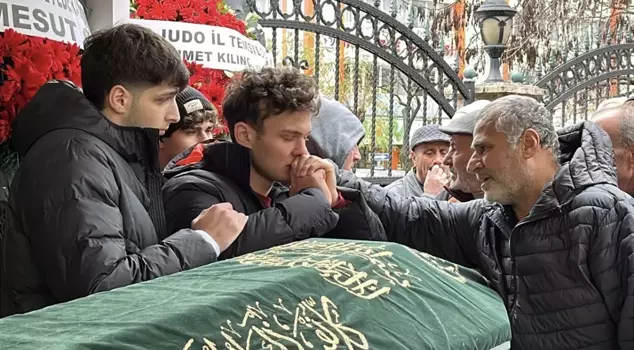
(566, 272)
(223, 176)
(87, 214)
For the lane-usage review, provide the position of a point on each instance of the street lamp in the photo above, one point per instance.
(496, 23)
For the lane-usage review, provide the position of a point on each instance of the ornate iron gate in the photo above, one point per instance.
(389, 76)
(575, 89)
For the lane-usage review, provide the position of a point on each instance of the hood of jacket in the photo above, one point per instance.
(335, 132)
(62, 105)
(218, 156)
(586, 160)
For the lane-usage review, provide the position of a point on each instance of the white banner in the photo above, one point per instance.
(213, 47)
(61, 20)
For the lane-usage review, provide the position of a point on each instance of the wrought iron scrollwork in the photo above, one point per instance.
(364, 26)
(587, 70)
(289, 61)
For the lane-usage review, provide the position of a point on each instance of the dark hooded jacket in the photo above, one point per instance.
(223, 175)
(565, 272)
(86, 208)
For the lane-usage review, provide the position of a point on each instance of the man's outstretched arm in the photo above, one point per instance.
(440, 228)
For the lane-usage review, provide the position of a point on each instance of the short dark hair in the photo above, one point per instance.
(128, 54)
(256, 95)
(191, 120)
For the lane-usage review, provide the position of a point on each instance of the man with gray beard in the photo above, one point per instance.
(555, 238)
(462, 186)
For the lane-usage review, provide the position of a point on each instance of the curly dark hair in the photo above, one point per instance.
(256, 95)
(191, 120)
(126, 55)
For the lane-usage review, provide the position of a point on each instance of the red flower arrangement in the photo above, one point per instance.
(210, 82)
(26, 63)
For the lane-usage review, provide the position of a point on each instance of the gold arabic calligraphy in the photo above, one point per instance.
(446, 267)
(308, 325)
(332, 260)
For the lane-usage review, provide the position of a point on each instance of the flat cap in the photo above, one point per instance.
(465, 119)
(427, 133)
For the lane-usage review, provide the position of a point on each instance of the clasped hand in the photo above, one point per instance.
(313, 172)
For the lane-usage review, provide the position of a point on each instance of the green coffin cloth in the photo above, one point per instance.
(314, 294)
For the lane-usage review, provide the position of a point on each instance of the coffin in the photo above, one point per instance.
(314, 294)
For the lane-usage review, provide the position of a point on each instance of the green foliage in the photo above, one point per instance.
(382, 132)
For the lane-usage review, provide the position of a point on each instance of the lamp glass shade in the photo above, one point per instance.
(492, 27)
(508, 29)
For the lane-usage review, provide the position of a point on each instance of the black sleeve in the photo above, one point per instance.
(611, 263)
(304, 215)
(443, 229)
(77, 233)
(356, 220)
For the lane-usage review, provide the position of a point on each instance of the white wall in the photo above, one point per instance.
(104, 14)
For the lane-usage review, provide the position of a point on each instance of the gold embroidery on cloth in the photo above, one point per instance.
(330, 260)
(446, 267)
(312, 324)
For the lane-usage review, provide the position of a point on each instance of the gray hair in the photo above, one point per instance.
(627, 125)
(515, 114)
(625, 115)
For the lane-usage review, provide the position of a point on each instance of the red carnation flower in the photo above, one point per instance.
(211, 82)
(5, 130)
(12, 43)
(33, 61)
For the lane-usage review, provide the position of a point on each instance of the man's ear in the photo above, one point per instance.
(244, 134)
(119, 100)
(412, 156)
(530, 143)
(630, 158)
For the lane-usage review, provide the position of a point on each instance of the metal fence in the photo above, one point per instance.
(575, 89)
(371, 61)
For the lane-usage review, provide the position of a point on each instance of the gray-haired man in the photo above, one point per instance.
(462, 186)
(555, 240)
(618, 123)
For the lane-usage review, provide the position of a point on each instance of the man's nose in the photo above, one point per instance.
(356, 154)
(438, 159)
(173, 116)
(448, 160)
(300, 149)
(475, 164)
(203, 136)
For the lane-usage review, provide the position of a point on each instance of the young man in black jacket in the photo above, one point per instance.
(86, 207)
(269, 116)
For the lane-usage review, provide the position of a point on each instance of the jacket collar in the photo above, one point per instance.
(460, 196)
(223, 158)
(61, 105)
(230, 160)
(412, 186)
(586, 160)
